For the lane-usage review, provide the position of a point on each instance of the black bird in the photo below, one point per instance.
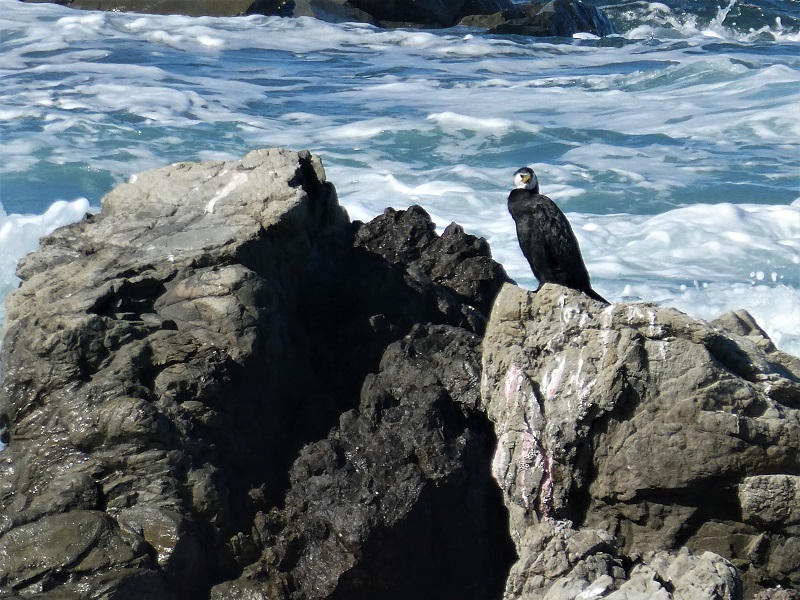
(546, 237)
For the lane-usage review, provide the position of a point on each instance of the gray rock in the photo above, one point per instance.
(557, 561)
(682, 575)
(219, 385)
(777, 593)
(83, 541)
(772, 501)
(331, 11)
(656, 428)
(166, 361)
(192, 8)
(554, 18)
(144, 346)
(441, 13)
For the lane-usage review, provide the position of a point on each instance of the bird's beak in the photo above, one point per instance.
(525, 178)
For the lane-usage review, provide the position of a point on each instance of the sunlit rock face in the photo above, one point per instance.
(626, 431)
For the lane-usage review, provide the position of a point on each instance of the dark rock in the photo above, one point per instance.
(441, 13)
(332, 11)
(370, 507)
(456, 268)
(671, 442)
(166, 360)
(192, 8)
(277, 8)
(562, 18)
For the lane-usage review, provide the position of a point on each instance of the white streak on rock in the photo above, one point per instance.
(552, 379)
(237, 180)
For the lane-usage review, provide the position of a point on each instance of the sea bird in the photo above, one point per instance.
(546, 237)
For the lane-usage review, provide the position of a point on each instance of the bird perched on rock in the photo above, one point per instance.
(546, 237)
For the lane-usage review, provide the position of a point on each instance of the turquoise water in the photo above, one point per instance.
(672, 147)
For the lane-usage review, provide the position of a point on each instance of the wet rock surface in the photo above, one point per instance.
(398, 501)
(398, 13)
(646, 453)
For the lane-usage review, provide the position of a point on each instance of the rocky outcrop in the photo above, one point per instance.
(562, 18)
(641, 453)
(165, 362)
(220, 387)
(554, 18)
(144, 357)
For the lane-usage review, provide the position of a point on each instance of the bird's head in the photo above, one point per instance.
(526, 179)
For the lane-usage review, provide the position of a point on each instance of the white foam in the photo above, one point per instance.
(702, 259)
(19, 235)
(660, 21)
(455, 121)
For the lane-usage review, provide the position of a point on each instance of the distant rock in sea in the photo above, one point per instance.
(546, 18)
(221, 387)
(562, 18)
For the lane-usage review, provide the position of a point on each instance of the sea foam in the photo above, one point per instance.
(19, 235)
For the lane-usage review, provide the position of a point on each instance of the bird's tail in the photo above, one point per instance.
(592, 294)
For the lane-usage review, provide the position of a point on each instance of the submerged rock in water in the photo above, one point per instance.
(440, 13)
(637, 448)
(562, 18)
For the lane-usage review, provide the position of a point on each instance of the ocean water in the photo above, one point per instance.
(673, 147)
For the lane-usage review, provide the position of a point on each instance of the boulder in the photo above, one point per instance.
(330, 11)
(397, 13)
(562, 18)
(191, 8)
(151, 359)
(636, 436)
(166, 361)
